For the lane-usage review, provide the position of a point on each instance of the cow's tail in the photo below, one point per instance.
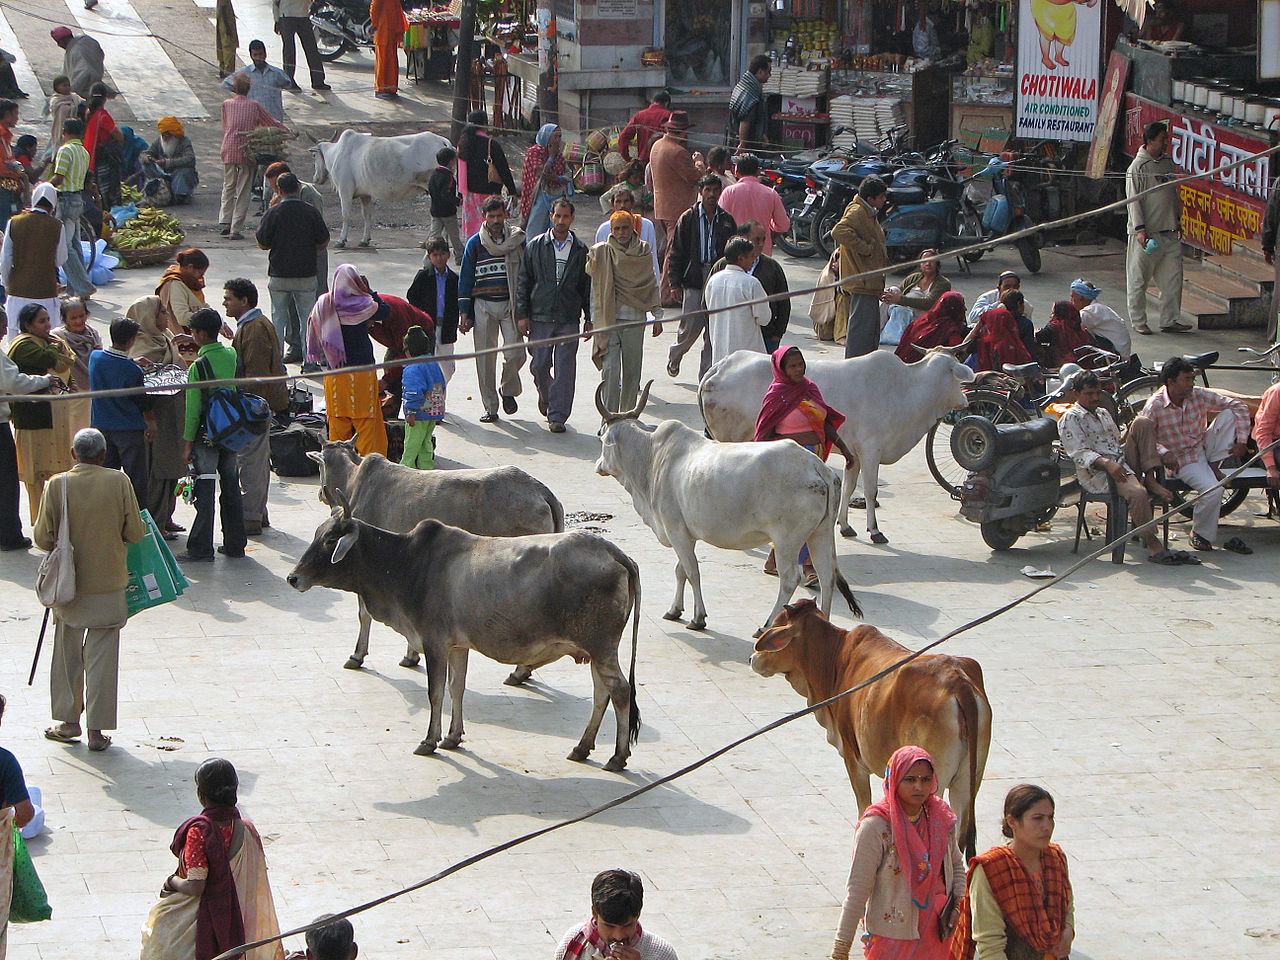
(633, 582)
(968, 704)
(833, 511)
(557, 513)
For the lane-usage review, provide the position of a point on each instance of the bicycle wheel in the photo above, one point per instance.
(995, 406)
(1133, 396)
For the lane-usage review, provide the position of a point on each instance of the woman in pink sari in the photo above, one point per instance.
(908, 875)
(482, 171)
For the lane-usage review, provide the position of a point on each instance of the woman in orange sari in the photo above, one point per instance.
(389, 26)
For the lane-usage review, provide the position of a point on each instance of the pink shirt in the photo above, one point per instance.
(749, 199)
(1266, 425)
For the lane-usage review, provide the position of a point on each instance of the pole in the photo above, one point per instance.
(44, 625)
(548, 86)
(462, 69)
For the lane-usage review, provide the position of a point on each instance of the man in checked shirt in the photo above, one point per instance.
(1174, 429)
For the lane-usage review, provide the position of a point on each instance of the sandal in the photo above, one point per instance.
(1187, 559)
(56, 734)
(1143, 329)
(99, 743)
(1236, 545)
(1200, 543)
(1166, 558)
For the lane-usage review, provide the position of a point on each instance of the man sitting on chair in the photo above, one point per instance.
(1092, 440)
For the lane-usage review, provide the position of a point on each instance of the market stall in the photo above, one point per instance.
(430, 41)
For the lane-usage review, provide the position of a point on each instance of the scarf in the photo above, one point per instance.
(921, 859)
(620, 276)
(153, 343)
(511, 248)
(538, 163)
(349, 301)
(82, 344)
(941, 325)
(999, 343)
(219, 923)
(174, 272)
(784, 394)
(590, 935)
(1040, 926)
(1067, 334)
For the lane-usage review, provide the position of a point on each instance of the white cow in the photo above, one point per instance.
(368, 168)
(889, 406)
(735, 496)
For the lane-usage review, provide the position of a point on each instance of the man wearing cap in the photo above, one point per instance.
(747, 105)
(82, 59)
(675, 174)
(1155, 247)
(35, 246)
(1101, 322)
(171, 157)
(645, 127)
(1007, 281)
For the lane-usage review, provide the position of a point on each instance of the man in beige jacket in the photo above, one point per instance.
(862, 248)
(104, 519)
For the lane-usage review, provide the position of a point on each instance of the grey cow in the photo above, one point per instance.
(520, 600)
(495, 502)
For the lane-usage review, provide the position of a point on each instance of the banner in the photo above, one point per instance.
(1112, 92)
(1058, 59)
(1219, 210)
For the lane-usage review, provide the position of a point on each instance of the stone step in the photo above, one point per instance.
(1196, 309)
(1241, 266)
(1219, 287)
(1215, 300)
(1249, 250)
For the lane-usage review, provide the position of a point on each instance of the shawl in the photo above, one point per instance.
(1040, 926)
(620, 276)
(784, 394)
(174, 272)
(511, 249)
(81, 344)
(1066, 333)
(919, 857)
(469, 144)
(941, 325)
(349, 301)
(538, 164)
(32, 355)
(590, 935)
(153, 343)
(999, 342)
(219, 923)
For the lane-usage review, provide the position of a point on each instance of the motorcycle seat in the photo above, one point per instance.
(1016, 437)
(1023, 371)
(849, 177)
(900, 196)
(1202, 359)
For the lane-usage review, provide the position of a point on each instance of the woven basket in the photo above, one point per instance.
(614, 164)
(148, 256)
(597, 141)
(574, 152)
(591, 179)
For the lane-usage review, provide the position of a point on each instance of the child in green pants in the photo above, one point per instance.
(423, 385)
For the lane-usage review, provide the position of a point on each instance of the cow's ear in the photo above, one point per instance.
(345, 543)
(772, 640)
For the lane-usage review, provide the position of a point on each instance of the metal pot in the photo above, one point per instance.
(1255, 110)
(1213, 99)
(1179, 91)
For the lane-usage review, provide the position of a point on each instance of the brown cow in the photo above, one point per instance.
(936, 702)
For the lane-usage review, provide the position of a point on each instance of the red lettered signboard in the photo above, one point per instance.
(1217, 210)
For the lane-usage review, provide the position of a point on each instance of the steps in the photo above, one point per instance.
(1226, 292)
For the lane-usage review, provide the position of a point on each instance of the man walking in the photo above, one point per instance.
(675, 174)
(70, 168)
(82, 60)
(293, 19)
(624, 199)
(104, 519)
(697, 242)
(122, 420)
(645, 127)
(772, 278)
(748, 115)
(215, 466)
(257, 349)
(750, 199)
(487, 299)
(737, 299)
(293, 233)
(862, 248)
(226, 37)
(1155, 246)
(554, 292)
(240, 115)
(34, 247)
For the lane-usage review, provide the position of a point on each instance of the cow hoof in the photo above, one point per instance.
(848, 532)
(515, 679)
(450, 743)
(673, 615)
(353, 663)
(366, 243)
(616, 764)
(579, 754)
(698, 624)
(879, 537)
(426, 748)
(409, 662)
(340, 243)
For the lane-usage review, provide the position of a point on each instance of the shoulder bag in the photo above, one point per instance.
(56, 578)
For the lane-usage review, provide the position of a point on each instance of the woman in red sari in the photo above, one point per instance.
(995, 342)
(942, 325)
(1062, 335)
(793, 409)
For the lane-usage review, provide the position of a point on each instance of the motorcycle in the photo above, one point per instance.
(341, 26)
(790, 178)
(999, 200)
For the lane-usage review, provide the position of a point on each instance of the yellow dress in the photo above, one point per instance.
(1057, 21)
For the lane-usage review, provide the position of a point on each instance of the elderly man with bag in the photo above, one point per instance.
(86, 642)
(171, 158)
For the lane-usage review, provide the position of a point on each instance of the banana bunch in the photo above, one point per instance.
(150, 228)
(130, 194)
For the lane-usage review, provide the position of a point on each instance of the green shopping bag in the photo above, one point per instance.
(154, 576)
(30, 904)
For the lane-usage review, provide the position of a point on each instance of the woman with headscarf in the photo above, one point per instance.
(219, 896)
(105, 143)
(623, 290)
(1020, 902)
(482, 171)
(181, 287)
(542, 180)
(906, 868)
(995, 342)
(42, 429)
(83, 340)
(157, 346)
(942, 325)
(338, 335)
(1062, 335)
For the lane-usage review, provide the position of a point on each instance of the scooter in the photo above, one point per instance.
(1001, 202)
(341, 26)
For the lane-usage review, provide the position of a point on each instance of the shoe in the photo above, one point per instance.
(673, 368)
(21, 95)
(542, 406)
(555, 426)
(1143, 329)
(293, 86)
(509, 405)
(293, 356)
(22, 544)
(1236, 545)
(175, 527)
(185, 557)
(233, 554)
(489, 418)
(1177, 328)
(166, 535)
(225, 231)
(322, 86)
(235, 236)
(387, 96)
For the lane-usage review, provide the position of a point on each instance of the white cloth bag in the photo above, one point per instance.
(56, 578)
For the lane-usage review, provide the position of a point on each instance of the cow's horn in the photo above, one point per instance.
(644, 398)
(923, 352)
(605, 414)
(343, 502)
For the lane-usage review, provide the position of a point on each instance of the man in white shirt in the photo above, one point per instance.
(1099, 319)
(624, 199)
(734, 320)
(1007, 281)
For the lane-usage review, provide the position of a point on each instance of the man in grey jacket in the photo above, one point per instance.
(1155, 245)
(554, 292)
